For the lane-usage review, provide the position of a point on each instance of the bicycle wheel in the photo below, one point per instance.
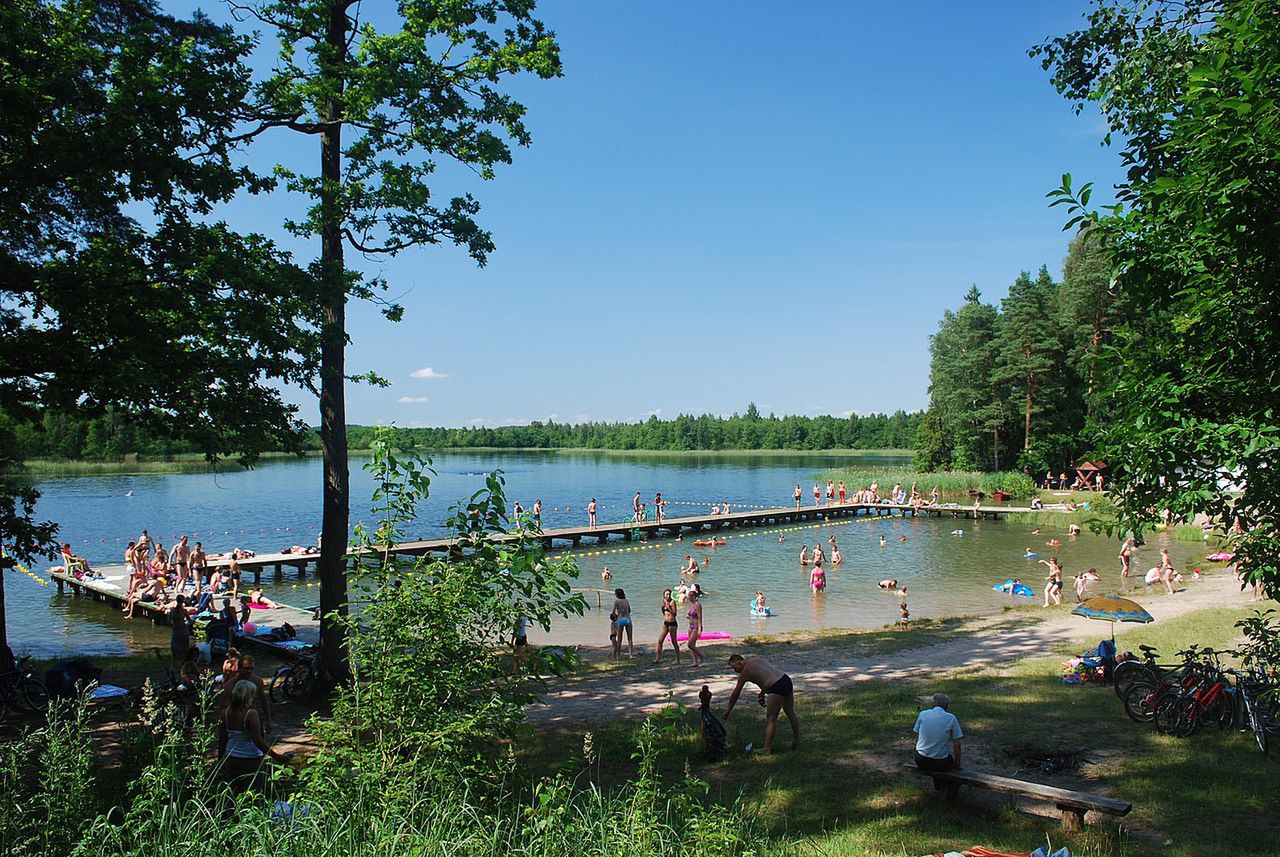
(1123, 676)
(35, 696)
(295, 684)
(1257, 723)
(1138, 701)
(1170, 715)
(277, 690)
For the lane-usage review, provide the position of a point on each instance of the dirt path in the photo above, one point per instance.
(642, 687)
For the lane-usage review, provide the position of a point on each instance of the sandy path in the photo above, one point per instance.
(642, 687)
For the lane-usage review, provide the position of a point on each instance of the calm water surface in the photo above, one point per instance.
(277, 505)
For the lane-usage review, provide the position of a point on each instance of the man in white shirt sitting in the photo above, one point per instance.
(938, 737)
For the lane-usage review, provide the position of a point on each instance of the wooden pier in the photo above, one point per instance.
(110, 589)
(668, 527)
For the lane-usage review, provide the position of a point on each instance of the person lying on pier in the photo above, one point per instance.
(152, 591)
(259, 600)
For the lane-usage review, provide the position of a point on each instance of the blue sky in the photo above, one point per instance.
(730, 202)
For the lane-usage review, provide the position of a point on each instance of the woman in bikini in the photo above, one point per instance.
(1053, 583)
(622, 607)
(695, 627)
(669, 625)
(817, 578)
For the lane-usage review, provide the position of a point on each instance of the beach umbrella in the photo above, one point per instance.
(1113, 609)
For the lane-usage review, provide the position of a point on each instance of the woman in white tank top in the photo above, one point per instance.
(241, 745)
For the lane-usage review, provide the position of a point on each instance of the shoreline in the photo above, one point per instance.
(835, 659)
(195, 462)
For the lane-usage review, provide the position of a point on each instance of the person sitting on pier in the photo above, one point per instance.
(73, 564)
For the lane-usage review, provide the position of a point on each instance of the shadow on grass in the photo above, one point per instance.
(844, 790)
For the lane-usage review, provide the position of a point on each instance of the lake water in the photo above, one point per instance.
(277, 505)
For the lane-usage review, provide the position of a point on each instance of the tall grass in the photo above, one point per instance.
(951, 483)
(57, 804)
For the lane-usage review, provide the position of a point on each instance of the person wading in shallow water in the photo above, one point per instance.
(776, 694)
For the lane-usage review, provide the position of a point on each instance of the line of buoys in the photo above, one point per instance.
(29, 573)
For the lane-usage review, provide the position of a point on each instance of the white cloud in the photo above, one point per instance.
(656, 412)
(478, 421)
(514, 421)
(582, 418)
(551, 418)
(846, 414)
(427, 372)
(411, 400)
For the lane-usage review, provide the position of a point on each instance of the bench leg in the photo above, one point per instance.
(1072, 819)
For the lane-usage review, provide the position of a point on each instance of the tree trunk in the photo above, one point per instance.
(6, 654)
(336, 521)
(997, 448)
(1093, 351)
(1026, 438)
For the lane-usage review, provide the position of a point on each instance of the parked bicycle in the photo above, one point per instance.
(20, 689)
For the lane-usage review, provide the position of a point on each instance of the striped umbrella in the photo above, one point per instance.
(1111, 608)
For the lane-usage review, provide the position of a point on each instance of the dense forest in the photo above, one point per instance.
(1013, 386)
(110, 437)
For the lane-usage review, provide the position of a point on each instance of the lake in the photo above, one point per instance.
(277, 505)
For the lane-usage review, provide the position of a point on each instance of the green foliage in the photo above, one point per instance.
(417, 756)
(950, 483)
(1190, 386)
(119, 290)
(430, 692)
(1005, 384)
(684, 432)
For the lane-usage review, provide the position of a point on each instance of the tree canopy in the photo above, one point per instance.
(1191, 383)
(118, 290)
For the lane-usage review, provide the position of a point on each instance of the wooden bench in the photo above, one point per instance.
(1072, 804)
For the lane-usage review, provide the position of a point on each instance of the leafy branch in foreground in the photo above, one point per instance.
(1192, 385)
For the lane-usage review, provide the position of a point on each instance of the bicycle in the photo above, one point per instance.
(296, 679)
(19, 688)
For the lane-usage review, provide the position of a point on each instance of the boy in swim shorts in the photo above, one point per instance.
(776, 694)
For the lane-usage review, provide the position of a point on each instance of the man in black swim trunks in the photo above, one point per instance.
(776, 694)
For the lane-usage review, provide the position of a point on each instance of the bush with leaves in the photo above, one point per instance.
(434, 694)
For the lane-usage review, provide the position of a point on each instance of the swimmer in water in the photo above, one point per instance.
(781, 537)
(1029, 554)
(902, 538)
(884, 543)
(760, 602)
(817, 578)
(836, 557)
(606, 574)
(1073, 530)
(888, 584)
(804, 554)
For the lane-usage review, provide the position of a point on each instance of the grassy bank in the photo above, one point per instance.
(950, 484)
(845, 792)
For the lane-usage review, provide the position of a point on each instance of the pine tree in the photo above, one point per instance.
(1029, 358)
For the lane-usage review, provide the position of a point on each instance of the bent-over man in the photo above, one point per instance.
(776, 694)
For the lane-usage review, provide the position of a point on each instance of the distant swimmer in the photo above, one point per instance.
(804, 554)
(884, 543)
(606, 574)
(1029, 554)
(1073, 530)
(836, 557)
(957, 532)
(902, 538)
(128, 493)
(888, 584)
(781, 537)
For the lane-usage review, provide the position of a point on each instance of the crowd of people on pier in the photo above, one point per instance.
(837, 493)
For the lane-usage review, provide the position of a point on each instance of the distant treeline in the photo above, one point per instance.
(111, 437)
